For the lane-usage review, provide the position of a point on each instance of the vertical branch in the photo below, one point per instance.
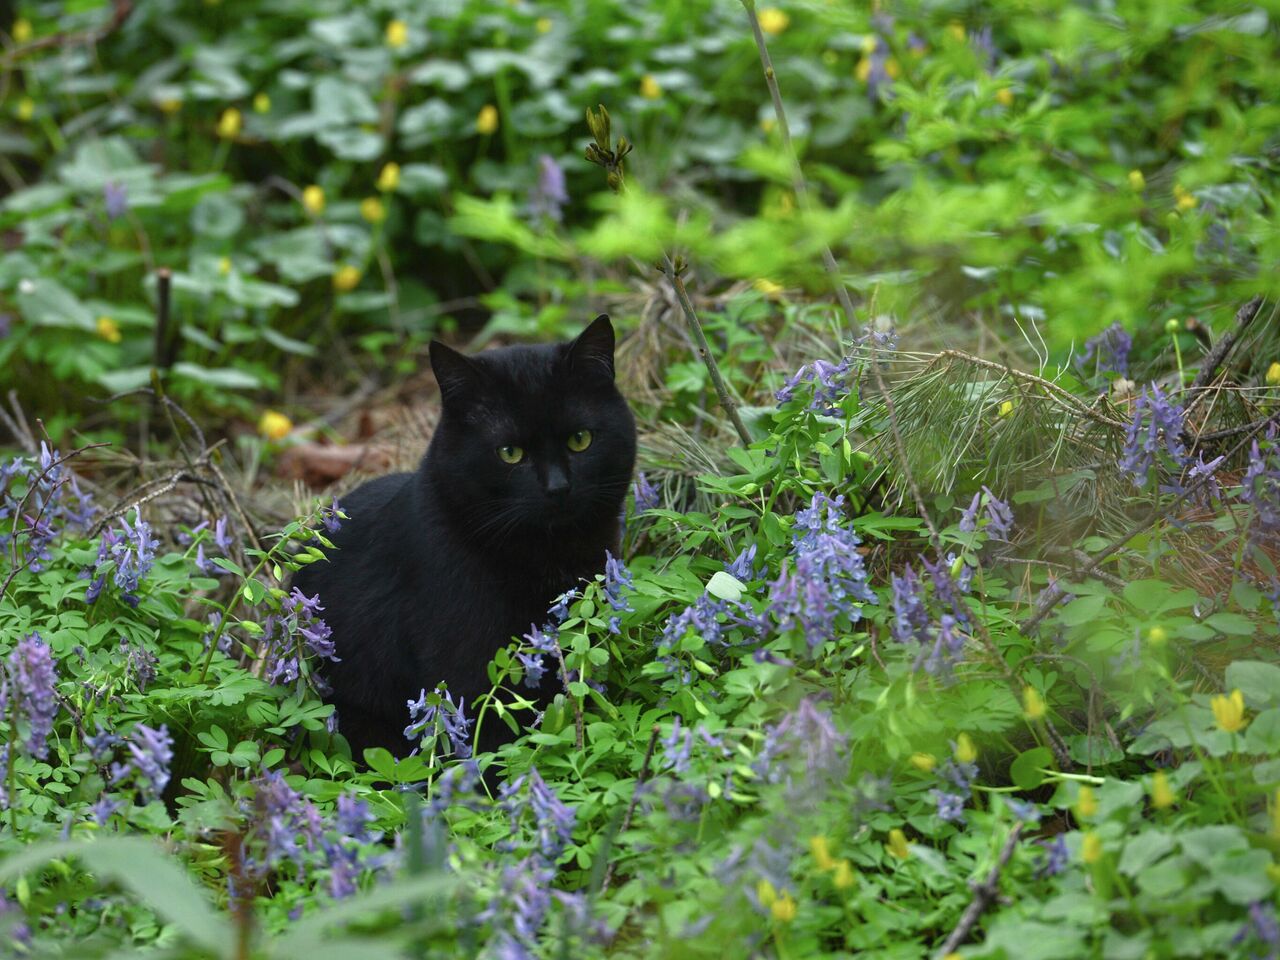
(798, 183)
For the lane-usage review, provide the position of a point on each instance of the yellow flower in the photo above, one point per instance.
(1275, 817)
(956, 29)
(650, 89)
(830, 57)
(21, 30)
(1137, 182)
(1033, 705)
(544, 24)
(1157, 636)
(1086, 803)
(925, 762)
(224, 265)
(897, 845)
(313, 199)
(966, 752)
(869, 43)
(388, 177)
(229, 124)
(26, 109)
(1183, 198)
(261, 103)
(346, 278)
(767, 124)
(397, 34)
(274, 425)
(1228, 711)
(1004, 97)
(109, 330)
(773, 21)
(1162, 795)
(891, 69)
(1006, 408)
(1273, 374)
(767, 287)
(863, 69)
(487, 119)
(1091, 848)
(843, 876)
(169, 105)
(821, 851)
(784, 908)
(371, 209)
(765, 893)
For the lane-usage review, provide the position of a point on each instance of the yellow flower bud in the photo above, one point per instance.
(1228, 712)
(371, 209)
(224, 265)
(956, 31)
(966, 752)
(869, 43)
(773, 21)
(346, 278)
(1162, 795)
(1273, 374)
(397, 34)
(897, 845)
(1183, 197)
(1172, 325)
(863, 69)
(784, 908)
(765, 893)
(229, 124)
(1033, 705)
(487, 119)
(274, 425)
(261, 103)
(1137, 182)
(169, 105)
(21, 30)
(26, 109)
(544, 24)
(843, 875)
(313, 199)
(1086, 803)
(1091, 848)
(1157, 636)
(925, 762)
(821, 851)
(891, 69)
(1004, 97)
(830, 57)
(1006, 408)
(767, 124)
(389, 177)
(109, 330)
(650, 89)
(767, 287)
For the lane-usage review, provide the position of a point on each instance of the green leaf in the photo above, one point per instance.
(1144, 850)
(227, 377)
(1082, 610)
(1025, 772)
(724, 586)
(1258, 681)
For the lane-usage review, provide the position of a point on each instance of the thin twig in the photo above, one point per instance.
(983, 895)
(635, 798)
(704, 351)
(1218, 353)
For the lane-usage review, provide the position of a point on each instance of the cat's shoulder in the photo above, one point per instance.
(374, 493)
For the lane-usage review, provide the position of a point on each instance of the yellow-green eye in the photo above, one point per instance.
(579, 440)
(511, 454)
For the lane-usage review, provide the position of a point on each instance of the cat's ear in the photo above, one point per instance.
(457, 375)
(591, 354)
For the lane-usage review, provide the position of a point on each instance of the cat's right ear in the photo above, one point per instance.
(457, 376)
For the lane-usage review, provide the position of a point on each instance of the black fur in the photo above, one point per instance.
(436, 570)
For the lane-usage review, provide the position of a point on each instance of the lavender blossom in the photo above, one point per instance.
(910, 613)
(1156, 422)
(292, 634)
(116, 199)
(1260, 488)
(1055, 857)
(1026, 812)
(646, 494)
(284, 822)
(999, 516)
(553, 820)
(139, 663)
(101, 743)
(743, 566)
(331, 516)
(616, 577)
(426, 719)
(950, 806)
(829, 381)
(104, 807)
(1262, 931)
(969, 518)
(549, 196)
(150, 751)
(30, 687)
(807, 735)
(1109, 350)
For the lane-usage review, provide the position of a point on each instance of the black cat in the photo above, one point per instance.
(517, 499)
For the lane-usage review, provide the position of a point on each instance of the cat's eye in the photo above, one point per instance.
(511, 453)
(579, 440)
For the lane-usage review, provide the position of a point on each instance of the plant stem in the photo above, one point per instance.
(798, 183)
(704, 351)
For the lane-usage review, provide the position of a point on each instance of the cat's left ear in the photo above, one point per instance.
(591, 354)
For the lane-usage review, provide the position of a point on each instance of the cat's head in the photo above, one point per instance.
(533, 438)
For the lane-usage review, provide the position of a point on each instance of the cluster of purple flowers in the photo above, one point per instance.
(543, 639)
(829, 381)
(132, 550)
(426, 719)
(1156, 424)
(47, 498)
(221, 539)
(1054, 857)
(297, 630)
(549, 195)
(1109, 351)
(940, 643)
(646, 493)
(116, 199)
(826, 577)
(28, 689)
(139, 663)
(616, 578)
(999, 515)
(1260, 488)
(1261, 931)
(807, 736)
(150, 752)
(957, 780)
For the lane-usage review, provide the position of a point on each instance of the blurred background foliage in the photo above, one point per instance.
(331, 183)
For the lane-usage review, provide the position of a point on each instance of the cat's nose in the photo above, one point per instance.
(556, 484)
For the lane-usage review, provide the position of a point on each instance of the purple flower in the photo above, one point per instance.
(284, 823)
(6, 324)
(116, 199)
(559, 608)
(1026, 812)
(616, 578)
(30, 687)
(677, 747)
(295, 632)
(969, 518)
(104, 807)
(959, 775)
(807, 736)
(1156, 422)
(646, 494)
(150, 751)
(1109, 350)
(553, 820)
(331, 516)
(950, 806)
(1055, 858)
(999, 516)
(829, 382)
(101, 743)
(139, 663)
(1262, 930)
(549, 195)
(1260, 488)
(983, 46)
(220, 535)
(519, 908)
(910, 613)
(426, 719)
(743, 566)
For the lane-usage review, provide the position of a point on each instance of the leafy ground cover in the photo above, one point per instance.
(923, 651)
